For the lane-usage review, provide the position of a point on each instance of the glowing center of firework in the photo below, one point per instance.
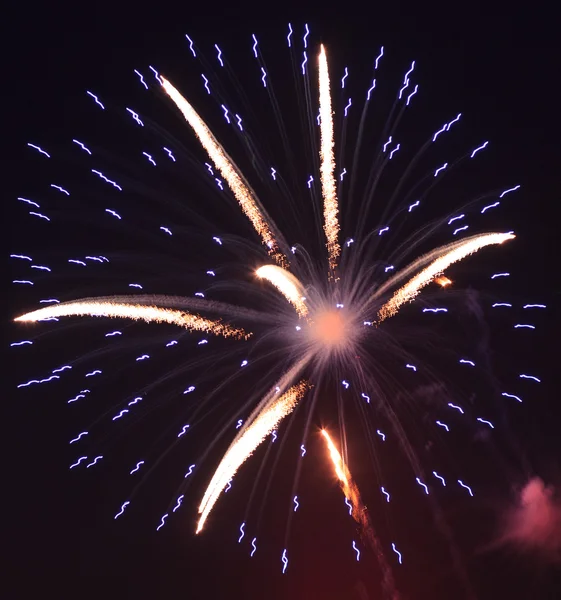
(330, 328)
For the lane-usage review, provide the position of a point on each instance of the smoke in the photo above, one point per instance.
(534, 524)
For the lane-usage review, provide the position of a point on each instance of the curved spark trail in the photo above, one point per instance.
(439, 259)
(327, 166)
(246, 442)
(98, 308)
(287, 284)
(240, 188)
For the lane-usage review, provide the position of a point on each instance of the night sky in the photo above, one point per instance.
(497, 65)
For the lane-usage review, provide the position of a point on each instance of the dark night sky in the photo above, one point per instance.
(496, 63)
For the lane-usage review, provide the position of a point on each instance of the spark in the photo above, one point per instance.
(441, 259)
(534, 306)
(443, 425)
(166, 230)
(424, 486)
(172, 343)
(253, 545)
(60, 369)
(94, 462)
(191, 45)
(179, 501)
(241, 190)
(289, 34)
(484, 145)
(82, 394)
(206, 84)
(486, 208)
(388, 269)
(273, 173)
(296, 503)
(306, 34)
(399, 560)
(394, 151)
(183, 430)
(77, 262)
(254, 47)
(122, 510)
(463, 361)
(440, 478)
(349, 505)
(412, 367)
(98, 307)
(386, 494)
(465, 486)
(384, 229)
(524, 326)
(79, 437)
(135, 285)
(486, 422)
(284, 561)
(123, 412)
(82, 458)
(435, 310)
(135, 116)
(411, 95)
(33, 381)
(274, 436)
(382, 435)
(49, 300)
(244, 363)
(94, 372)
(40, 215)
(366, 397)
(228, 486)
(349, 104)
(137, 468)
(83, 146)
(190, 471)
(40, 150)
(250, 436)
(456, 407)
(150, 159)
(496, 275)
(163, 522)
(499, 304)
(219, 55)
(370, 90)
(60, 189)
(22, 343)
(242, 532)
(412, 206)
(239, 424)
(440, 169)
(310, 181)
(225, 113)
(379, 57)
(102, 176)
(141, 79)
(263, 77)
(506, 395)
(327, 166)
(345, 384)
(387, 144)
(303, 450)
(170, 154)
(356, 550)
(455, 219)
(513, 189)
(113, 333)
(97, 101)
(143, 357)
(287, 284)
(190, 389)
(344, 77)
(20, 256)
(532, 377)
(135, 401)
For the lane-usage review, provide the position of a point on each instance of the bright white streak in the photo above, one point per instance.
(93, 308)
(244, 446)
(327, 166)
(441, 259)
(243, 193)
(287, 284)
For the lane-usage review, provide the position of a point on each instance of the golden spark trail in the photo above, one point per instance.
(150, 314)
(246, 444)
(244, 195)
(360, 515)
(287, 284)
(327, 166)
(444, 257)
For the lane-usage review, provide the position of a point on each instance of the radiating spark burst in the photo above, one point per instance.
(329, 328)
(245, 443)
(242, 191)
(439, 259)
(97, 307)
(287, 284)
(327, 167)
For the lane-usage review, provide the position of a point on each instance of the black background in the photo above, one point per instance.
(498, 62)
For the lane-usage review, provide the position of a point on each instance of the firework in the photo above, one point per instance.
(331, 300)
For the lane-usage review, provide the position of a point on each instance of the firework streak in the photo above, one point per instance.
(360, 514)
(245, 444)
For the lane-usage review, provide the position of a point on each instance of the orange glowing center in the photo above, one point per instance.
(330, 328)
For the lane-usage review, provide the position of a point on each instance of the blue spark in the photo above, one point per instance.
(423, 485)
(191, 45)
(439, 477)
(137, 468)
(356, 550)
(478, 149)
(219, 55)
(122, 510)
(79, 437)
(296, 503)
(135, 116)
(94, 461)
(97, 101)
(386, 494)
(399, 559)
(456, 407)
(22, 343)
(242, 532)
(82, 146)
(100, 174)
(183, 431)
(40, 150)
(163, 522)
(466, 487)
